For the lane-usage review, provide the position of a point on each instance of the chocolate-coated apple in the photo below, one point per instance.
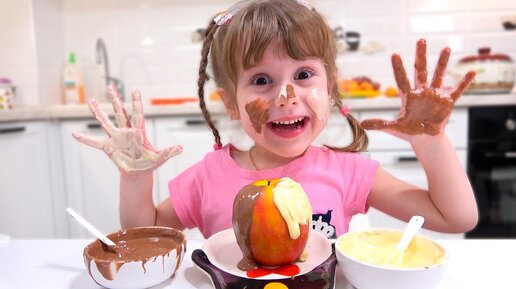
(271, 221)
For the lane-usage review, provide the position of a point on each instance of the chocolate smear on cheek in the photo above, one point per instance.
(258, 111)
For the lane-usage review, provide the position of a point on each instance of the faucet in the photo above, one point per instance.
(101, 55)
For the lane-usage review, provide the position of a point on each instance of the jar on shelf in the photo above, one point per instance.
(6, 94)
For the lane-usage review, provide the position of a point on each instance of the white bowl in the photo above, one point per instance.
(364, 275)
(139, 268)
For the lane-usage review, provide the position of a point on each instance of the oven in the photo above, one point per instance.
(491, 168)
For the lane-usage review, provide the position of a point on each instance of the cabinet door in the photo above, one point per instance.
(192, 134)
(92, 179)
(26, 201)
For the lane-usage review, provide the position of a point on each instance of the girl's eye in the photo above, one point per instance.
(261, 80)
(305, 74)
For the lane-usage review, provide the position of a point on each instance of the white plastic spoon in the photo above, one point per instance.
(103, 238)
(415, 223)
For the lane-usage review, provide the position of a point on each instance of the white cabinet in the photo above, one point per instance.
(92, 179)
(397, 157)
(26, 199)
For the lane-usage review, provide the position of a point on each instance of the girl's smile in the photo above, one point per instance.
(289, 127)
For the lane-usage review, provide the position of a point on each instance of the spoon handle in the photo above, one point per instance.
(413, 227)
(90, 227)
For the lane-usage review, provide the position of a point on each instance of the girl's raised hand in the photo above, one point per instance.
(425, 109)
(127, 144)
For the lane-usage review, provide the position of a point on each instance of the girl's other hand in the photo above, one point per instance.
(127, 144)
(425, 109)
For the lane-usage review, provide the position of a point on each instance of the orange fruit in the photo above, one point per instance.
(214, 96)
(391, 92)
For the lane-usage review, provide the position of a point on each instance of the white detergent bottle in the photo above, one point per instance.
(73, 82)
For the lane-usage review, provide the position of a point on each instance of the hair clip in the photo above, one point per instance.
(344, 110)
(217, 146)
(223, 17)
(306, 4)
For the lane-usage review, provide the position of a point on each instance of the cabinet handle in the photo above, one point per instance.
(195, 122)
(503, 155)
(93, 126)
(407, 159)
(16, 129)
(510, 155)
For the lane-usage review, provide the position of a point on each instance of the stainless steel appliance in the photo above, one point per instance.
(492, 170)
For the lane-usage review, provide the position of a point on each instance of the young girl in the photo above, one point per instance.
(273, 62)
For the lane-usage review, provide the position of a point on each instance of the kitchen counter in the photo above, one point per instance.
(56, 264)
(82, 111)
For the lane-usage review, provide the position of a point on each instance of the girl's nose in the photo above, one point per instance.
(286, 96)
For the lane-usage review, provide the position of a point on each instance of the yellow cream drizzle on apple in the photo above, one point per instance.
(295, 213)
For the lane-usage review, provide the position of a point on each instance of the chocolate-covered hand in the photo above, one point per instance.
(127, 144)
(425, 109)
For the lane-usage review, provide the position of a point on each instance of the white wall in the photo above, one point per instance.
(17, 49)
(149, 41)
(49, 49)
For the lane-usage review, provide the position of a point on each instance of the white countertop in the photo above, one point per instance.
(82, 111)
(55, 264)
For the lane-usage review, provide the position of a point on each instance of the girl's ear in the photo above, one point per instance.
(231, 107)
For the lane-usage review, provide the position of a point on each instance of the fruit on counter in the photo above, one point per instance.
(214, 95)
(361, 86)
(173, 100)
(271, 221)
(391, 92)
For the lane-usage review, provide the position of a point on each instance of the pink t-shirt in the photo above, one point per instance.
(337, 184)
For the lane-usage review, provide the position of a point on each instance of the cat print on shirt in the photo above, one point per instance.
(322, 224)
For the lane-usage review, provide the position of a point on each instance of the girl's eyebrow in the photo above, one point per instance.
(255, 69)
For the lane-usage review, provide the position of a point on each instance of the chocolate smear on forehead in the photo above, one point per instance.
(258, 111)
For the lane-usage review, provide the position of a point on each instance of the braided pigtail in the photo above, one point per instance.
(203, 77)
(360, 140)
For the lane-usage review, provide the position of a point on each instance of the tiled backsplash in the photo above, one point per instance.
(150, 47)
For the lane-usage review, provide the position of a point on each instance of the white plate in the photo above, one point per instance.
(223, 251)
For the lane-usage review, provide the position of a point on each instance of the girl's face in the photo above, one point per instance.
(283, 104)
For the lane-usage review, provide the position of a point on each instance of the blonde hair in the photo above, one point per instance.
(300, 32)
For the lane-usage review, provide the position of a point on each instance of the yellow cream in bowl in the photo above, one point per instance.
(376, 247)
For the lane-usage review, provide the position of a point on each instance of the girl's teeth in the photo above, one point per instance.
(288, 122)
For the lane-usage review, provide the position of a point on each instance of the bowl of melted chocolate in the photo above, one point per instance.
(143, 257)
